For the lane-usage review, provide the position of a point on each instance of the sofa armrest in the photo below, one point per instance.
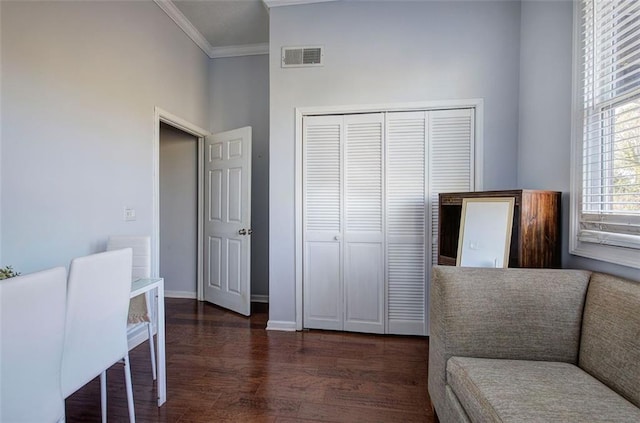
(520, 314)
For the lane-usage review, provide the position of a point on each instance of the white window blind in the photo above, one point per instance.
(608, 209)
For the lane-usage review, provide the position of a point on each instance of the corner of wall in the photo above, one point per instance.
(1, 179)
(519, 159)
(210, 95)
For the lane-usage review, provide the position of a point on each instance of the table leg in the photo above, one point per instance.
(161, 362)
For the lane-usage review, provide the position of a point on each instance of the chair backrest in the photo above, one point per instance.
(98, 294)
(141, 246)
(32, 316)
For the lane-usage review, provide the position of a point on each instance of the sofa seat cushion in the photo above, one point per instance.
(493, 390)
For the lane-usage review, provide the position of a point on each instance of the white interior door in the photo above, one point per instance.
(227, 223)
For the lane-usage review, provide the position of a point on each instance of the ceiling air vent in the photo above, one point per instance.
(302, 56)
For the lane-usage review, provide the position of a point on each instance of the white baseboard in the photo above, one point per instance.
(260, 299)
(138, 336)
(180, 294)
(281, 325)
(193, 296)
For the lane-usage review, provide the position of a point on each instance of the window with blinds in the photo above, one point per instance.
(608, 153)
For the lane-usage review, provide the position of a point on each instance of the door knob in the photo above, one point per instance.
(242, 232)
(337, 237)
(249, 231)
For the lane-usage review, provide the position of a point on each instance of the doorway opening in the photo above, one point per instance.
(222, 240)
(174, 123)
(179, 187)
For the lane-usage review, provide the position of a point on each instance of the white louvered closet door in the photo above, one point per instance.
(371, 184)
(452, 159)
(364, 297)
(406, 175)
(322, 222)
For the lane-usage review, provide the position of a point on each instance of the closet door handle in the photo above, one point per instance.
(242, 232)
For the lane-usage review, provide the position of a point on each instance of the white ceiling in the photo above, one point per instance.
(226, 23)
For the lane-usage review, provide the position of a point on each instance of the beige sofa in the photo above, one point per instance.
(534, 345)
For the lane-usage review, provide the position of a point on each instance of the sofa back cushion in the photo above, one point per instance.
(610, 344)
(521, 314)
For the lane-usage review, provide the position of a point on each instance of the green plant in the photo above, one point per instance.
(7, 272)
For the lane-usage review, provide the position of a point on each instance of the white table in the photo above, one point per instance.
(142, 286)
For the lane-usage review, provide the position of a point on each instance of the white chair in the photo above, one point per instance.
(32, 310)
(98, 292)
(140, 305)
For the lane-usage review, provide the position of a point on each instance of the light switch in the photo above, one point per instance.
(129, 214)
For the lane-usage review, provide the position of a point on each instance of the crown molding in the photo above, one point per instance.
(242, 50)
(213, 52)
(278, 3)
(181, 20)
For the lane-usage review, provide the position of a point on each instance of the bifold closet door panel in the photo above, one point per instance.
(452, 155)
(406, 144)
(322, 289)
(322, 223)
(363, 223)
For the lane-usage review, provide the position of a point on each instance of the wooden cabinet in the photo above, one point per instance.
(535, 237)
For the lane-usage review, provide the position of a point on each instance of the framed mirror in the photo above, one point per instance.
(485, 232)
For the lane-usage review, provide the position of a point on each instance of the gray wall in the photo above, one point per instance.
(79, 84)
(544, 153)
(239, 92)
(387, 52)
(178, 211)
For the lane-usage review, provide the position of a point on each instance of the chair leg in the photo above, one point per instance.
(127, 379)
(103, 395)
(152, 350)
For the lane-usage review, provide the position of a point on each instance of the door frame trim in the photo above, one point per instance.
(161, 115)
(301, 112)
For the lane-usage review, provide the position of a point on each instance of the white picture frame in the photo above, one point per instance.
(486, 224)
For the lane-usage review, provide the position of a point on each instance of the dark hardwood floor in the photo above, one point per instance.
(223, 367)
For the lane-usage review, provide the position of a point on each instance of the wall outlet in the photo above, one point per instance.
(129, 214)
